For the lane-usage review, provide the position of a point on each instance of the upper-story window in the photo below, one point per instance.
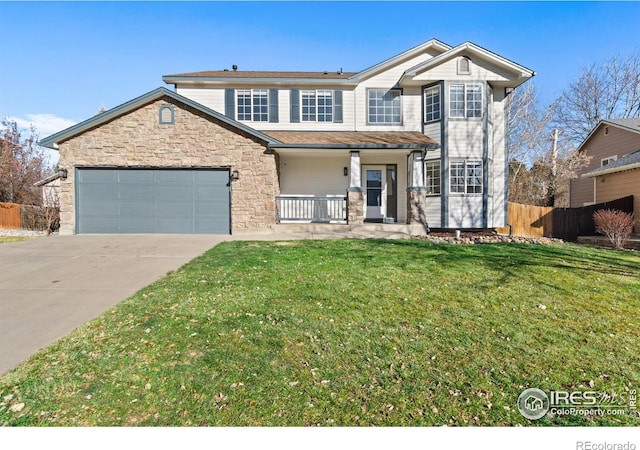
(465, 100)
(384, 106)
(253, 104)
(432, 104)
(317, 106)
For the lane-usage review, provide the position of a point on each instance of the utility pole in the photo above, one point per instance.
(554, 168)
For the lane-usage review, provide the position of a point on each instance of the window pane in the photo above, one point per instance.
(456, 101)
(260, 105)
(244, 104)
(474, 100)
(456, 175)
(384, 106)
(432, 104)
(432, 175)
(474, 177)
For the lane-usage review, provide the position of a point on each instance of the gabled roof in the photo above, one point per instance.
(522, 72)
(344, 78)
(353, 139)
(97, 120)
(631, 161)
(632, 125)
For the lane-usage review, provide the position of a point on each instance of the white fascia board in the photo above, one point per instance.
(433, 43)
(222, 81)
(521, 71)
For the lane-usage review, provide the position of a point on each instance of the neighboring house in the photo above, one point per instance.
(50, 190)
(614, 169)
(417, 138)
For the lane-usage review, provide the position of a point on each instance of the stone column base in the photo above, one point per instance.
(355, 207)
(417, 206)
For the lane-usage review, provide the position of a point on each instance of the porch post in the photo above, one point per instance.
(355, 196)
(416, 190)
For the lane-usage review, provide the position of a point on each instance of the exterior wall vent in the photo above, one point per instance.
(166, 115)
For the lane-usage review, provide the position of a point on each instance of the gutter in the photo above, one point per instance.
(612, 170)
(424, 147)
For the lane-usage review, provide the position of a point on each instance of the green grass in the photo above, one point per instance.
(8, 239)
(347, 332)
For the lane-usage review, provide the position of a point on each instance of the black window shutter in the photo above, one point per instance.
(337, 106)
(295, 105)
(273, 105)
(230, 103)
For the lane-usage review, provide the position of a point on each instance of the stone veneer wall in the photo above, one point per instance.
(355, 207)
(137, 139)
(416, 206)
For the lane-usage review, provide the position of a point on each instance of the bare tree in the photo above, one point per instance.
(22, 163)
(607, 90)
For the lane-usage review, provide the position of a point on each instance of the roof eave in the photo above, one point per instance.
(253, 81)
(598, 172)
(54, 139)
(357, 146)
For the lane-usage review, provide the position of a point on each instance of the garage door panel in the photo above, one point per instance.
(152, 201)
(98, 176)
(137, 176)
(136, 209)
(98, 225)
(135, 192)
(135, 224)
(99, 209)
(175, 208)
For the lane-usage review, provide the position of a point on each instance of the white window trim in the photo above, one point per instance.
(428, 181)
(466, 163)
(464, 100)
(251, 105)
(399, 91)
(608, 160)
(426, 95)
(317, 107)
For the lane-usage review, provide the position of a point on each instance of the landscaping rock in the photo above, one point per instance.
(471, 238)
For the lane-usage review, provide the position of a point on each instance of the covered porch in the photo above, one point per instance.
(351, 177)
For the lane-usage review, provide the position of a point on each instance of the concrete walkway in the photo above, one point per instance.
(51, 285)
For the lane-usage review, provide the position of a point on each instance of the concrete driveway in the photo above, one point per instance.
(51, 285)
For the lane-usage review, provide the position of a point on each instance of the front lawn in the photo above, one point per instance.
(347, 332)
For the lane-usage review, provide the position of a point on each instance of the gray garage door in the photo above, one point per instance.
(152, 201)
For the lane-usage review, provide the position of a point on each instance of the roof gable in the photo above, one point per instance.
(631, 125)
(520, 73)
(138, 102)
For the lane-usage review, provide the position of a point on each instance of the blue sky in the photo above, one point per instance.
(61, 62)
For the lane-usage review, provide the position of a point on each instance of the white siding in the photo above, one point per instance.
(433, 211)
(465, 211)
(313, 174)
(465, 138)
(210, 97)
(480, 70)
(411, 98)
(433, 130)
(498, 152)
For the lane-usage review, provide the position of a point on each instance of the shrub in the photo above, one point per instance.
(616, 225)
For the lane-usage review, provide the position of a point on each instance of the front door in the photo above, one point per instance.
(375, 193)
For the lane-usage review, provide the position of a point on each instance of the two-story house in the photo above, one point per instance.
(614, 169)
(417, 138)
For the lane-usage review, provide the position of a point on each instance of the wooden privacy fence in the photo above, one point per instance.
(529, 220)
(561, 223)
(10, 216)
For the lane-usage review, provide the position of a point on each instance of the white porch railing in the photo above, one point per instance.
(307, 208)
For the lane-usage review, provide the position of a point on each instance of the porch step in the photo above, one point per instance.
(354, 230)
